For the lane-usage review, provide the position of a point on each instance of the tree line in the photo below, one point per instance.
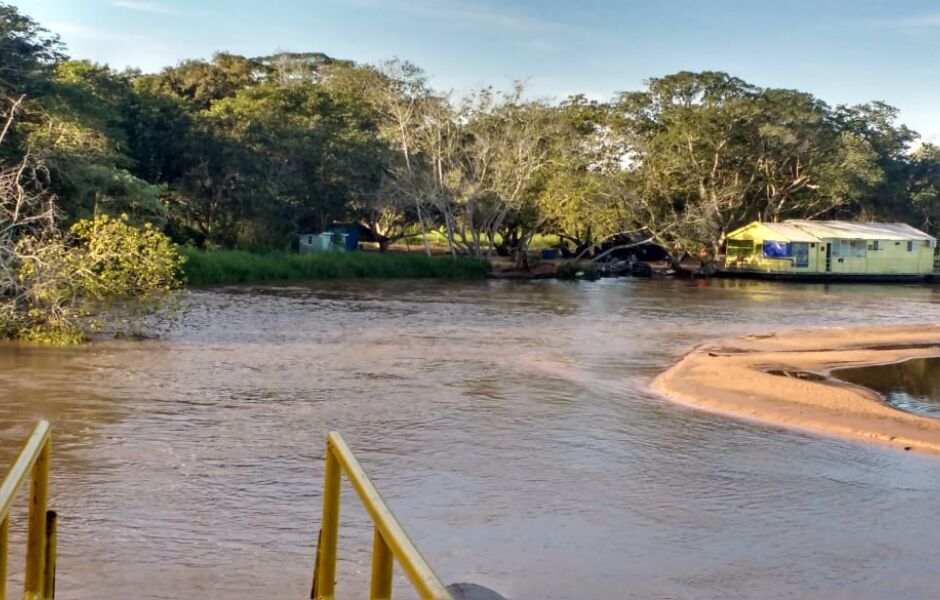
(246, 152)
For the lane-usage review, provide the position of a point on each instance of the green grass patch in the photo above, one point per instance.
(238, 266)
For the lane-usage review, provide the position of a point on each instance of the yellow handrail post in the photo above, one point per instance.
(48, 576)
(325, 572)
(382, 567)
(36, 537)
(4, 541)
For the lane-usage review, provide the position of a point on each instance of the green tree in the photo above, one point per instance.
(924, 188)
(503, 144)
(712, 152)
(314, 153)
(80, 133)
(884, 197)
(573, 197)
(200, 82)
(28, 53)
(285, 68)
(104, 272)
(219, 179)
(690, 133)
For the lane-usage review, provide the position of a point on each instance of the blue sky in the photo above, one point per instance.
(844, 51)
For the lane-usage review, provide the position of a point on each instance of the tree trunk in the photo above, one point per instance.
(450, 234)
(424, 232)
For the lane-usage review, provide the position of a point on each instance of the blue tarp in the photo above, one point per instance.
(776, 249)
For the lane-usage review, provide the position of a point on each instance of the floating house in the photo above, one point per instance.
(830, 250)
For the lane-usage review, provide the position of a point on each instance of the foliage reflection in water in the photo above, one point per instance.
(912, 385)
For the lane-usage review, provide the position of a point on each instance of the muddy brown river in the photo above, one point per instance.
(508, 424)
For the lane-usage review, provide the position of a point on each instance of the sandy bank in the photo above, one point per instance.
(729, 376)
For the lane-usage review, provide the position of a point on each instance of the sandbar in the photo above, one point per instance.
(730, 376)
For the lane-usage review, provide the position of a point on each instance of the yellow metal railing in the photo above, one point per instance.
(390, 542)
(33, 462)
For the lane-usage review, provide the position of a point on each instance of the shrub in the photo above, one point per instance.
(103, 271)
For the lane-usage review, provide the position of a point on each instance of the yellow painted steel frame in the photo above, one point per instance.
(390, 542)
(33, 460)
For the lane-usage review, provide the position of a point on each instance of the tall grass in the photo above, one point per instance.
(238, 266)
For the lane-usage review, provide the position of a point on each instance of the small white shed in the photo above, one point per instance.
(322, 242)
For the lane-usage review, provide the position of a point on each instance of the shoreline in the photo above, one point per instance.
(729, 376)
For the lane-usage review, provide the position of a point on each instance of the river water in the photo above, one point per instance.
(508, 424)
(911, 385)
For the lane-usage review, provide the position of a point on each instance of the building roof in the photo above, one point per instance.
(848, 230)
(796, 230)
(789, 232)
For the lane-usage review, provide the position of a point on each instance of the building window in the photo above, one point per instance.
(910, 245)
(800, 254)
(848, 248)
(740, 248)
(875, 245)
(776, 249)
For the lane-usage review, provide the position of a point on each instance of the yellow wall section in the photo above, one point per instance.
(757, 233)
(892, 258)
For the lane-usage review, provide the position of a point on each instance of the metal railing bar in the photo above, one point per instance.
(22, 466)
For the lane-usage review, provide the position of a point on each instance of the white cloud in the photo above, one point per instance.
(910, 23)
(147, 7)
(461, 12)
(75, 31)
(931, 138)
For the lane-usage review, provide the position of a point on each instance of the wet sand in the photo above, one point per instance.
(730, 376)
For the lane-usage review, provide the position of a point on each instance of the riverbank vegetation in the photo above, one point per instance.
(61, 278)
(57, 286)
(239, 266)
(244, 153)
